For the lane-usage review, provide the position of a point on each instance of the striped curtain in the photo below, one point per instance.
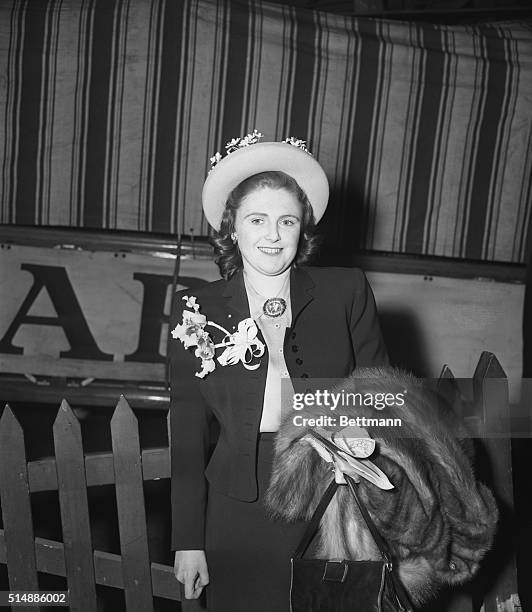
(110, 109)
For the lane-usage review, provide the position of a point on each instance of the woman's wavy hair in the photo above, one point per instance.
(227, 253)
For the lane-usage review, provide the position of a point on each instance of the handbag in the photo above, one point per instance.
(320, 585)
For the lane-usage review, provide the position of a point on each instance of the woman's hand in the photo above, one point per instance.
(190, 568)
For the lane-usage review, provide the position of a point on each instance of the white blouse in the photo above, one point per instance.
(277, 395)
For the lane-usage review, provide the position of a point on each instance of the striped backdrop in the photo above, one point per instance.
(110, 109)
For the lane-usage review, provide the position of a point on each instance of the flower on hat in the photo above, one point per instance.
(297, 142)
(252, 138)
(215, 158)
(232, 145)
(236, 143)
(240, 346)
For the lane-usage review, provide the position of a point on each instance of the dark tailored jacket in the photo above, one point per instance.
(334, 328)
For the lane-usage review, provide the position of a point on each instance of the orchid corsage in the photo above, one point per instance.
(241, 346)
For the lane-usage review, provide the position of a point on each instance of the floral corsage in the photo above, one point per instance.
(242, 345)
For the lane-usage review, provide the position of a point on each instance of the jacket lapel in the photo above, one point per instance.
(235, 293)
(301, 287)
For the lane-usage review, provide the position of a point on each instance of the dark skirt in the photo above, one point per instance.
(248, 554)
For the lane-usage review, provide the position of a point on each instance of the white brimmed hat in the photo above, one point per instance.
(252, 157)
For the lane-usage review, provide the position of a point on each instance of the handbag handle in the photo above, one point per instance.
(314, 522)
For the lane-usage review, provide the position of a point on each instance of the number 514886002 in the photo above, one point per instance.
(35, 598)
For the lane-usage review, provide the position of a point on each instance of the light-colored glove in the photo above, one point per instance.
(343, 452)
(190, 568)
(355, 441)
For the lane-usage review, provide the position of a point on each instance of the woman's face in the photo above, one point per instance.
(267, 224)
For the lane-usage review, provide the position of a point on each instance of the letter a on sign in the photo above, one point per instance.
(69, 315)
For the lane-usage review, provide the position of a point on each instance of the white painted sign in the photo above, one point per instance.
(84, 314)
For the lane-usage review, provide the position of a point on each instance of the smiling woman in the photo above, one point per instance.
(267, 228)
(272, 209)
(263, 200)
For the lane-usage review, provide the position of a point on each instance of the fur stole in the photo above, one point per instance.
(438, 520)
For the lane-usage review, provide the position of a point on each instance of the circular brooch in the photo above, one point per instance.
(274, 307)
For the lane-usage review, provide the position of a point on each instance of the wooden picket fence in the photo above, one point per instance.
(71, 472)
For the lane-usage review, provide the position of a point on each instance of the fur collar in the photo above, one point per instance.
(438, 520)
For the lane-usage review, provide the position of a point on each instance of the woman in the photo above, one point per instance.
(269, 324)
